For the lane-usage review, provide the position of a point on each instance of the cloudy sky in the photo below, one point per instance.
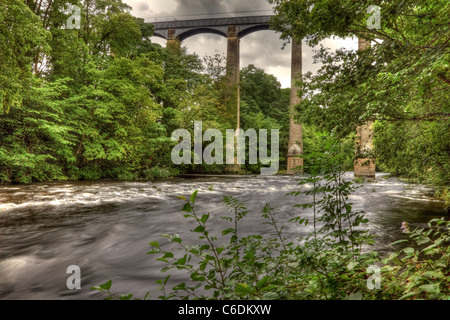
(262, 48)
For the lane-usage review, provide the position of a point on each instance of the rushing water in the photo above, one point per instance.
(105, 227)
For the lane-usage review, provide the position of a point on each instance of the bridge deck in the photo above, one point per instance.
(213, 22)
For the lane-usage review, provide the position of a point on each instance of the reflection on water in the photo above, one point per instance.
(105, 227)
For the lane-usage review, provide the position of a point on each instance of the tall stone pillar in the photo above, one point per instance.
(295, 129)
(173, 43)
(233, 72)
(233, 78)
(364, 167)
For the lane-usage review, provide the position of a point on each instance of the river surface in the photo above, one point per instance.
(105, 227)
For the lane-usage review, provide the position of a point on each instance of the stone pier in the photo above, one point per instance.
(295, 146)
(233, 70)
(364, 167)
(173, 43)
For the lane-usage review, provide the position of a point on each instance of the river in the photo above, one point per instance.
(105, 227)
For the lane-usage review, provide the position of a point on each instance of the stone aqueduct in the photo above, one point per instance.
(236, 28)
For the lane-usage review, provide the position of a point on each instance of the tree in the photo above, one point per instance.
(261, 92)
(91, 102)
(264, 105)
(21, 37)
(403, 78)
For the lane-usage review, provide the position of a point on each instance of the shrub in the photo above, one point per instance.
(157, 173)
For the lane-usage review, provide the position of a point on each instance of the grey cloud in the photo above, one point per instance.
(143, 6)
(219, 6)
(198, 7)
(263, 49)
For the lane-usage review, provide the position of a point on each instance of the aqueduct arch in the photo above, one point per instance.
(234, 29)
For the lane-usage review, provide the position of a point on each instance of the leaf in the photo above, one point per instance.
(182, 198)
(431, 288)
(263, 282)
(421, 241)
(181, 262)
(227, 231)
(193, 196)
(271, 296)
(270, 287)
(433, 274)
(242, 288)
(409, 251)
(205, 218)
(187, 207)
(194, 251)
(441, 263)
(168, 255)
(181, 286)
(355, 296)
(199, 229)
(352, 265)
(429, 248)
(195, 276)
(176, 238)
(154, 244)
(106, 286)
(407, 295)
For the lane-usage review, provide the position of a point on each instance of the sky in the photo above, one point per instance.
(262, 49)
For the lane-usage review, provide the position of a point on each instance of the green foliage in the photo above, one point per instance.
(261, 92)
(359, 180)
(102, 101)
(21, 38)
(419, 151)
(264, 105)
(341, 226)
(97, 102)
(233, 269)
(158, 173)
(421, 271)
(401, 81)
(444, 194)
